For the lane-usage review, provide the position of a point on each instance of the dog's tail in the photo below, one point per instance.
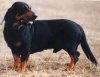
(87, 50)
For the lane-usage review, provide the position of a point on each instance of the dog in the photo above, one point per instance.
(24, 38)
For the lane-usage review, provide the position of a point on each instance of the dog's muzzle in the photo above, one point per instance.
(28, 16)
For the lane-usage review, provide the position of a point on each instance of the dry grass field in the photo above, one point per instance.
(49, 64)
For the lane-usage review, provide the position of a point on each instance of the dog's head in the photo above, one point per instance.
(19, 11)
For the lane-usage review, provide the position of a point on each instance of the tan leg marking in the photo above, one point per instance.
(16, 61)
(22, 66)
(70, 66)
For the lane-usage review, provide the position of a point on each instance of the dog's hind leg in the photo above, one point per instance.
(73, 60)
(72, 51)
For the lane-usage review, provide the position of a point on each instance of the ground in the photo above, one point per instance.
(49, 64)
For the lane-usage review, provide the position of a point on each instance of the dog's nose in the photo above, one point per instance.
(34, 16)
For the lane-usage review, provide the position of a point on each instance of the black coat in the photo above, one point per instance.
(48, 34)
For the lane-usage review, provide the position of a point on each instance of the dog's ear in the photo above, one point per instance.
(10, 14)
(7, 14)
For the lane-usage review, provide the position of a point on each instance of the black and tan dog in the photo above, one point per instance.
(24, 38)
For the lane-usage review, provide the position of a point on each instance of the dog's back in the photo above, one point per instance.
(47, 34)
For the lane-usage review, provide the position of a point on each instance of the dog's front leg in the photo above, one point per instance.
(24, 61)
(16, 61)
